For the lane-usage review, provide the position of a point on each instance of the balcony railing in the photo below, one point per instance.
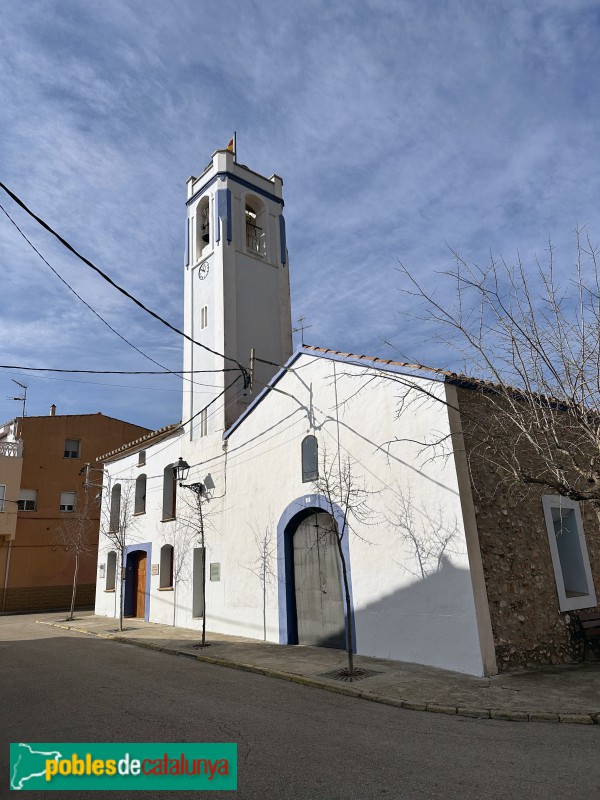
(11, 449)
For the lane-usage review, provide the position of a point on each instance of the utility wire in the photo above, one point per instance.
(116, 385)
(119, 288)
(193, 417)
(86, 304)
(117, 371)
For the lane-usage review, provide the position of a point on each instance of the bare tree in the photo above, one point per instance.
(531, 338)
(118, 527)
(341, 488)
(429, 537)
(75, 533)
(262, 567)
(196, 523)
(182, 540)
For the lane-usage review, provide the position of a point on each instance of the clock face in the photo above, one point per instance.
(203, 270)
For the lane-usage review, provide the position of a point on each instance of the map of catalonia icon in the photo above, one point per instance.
(28, 764)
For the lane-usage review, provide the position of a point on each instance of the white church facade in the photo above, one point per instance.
(260, 425)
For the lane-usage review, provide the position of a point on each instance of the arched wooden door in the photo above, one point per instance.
(318, 583)
(140, 585)
(135, 585)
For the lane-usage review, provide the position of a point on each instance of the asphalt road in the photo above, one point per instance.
(293, 741)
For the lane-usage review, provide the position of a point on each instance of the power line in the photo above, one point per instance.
(181, 425)
(119, 385)
(86, 304)
(119, 288)
(234, 399)
(118, 371)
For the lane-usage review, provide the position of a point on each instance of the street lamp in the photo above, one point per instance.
(181, 470)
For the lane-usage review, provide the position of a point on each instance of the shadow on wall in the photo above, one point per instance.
(431, 621)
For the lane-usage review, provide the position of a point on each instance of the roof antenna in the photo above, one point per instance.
(301, 327)
(23, 396)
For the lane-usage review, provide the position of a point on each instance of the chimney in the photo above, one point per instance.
(52, 410)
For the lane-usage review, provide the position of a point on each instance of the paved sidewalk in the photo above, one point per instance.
(568, 693)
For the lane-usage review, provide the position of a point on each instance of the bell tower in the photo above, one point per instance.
(236, 291)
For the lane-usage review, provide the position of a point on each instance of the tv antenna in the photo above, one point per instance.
(22, 398)
(301, 327)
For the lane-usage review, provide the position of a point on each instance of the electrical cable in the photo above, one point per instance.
(115, 285)
(86, 304)
(117, 371)
(234, 399)
(114, 385)
(204, 408)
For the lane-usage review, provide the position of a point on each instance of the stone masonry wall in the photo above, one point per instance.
(528, 627)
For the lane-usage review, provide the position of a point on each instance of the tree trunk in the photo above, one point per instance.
(74, 592)
(121, 590)
(349, 641)
(203, 643)
(174, 601)
(264, 583)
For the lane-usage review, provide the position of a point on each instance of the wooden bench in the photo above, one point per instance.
(588, 627)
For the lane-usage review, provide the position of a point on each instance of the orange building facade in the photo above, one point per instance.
(42, 475)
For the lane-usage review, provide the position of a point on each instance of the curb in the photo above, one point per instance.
(504, 714)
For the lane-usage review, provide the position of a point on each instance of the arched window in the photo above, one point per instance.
(166, 566)
(111, 571)
(202, 227)
(256, 227)
(310, 459)
(115, 507)
(169, 493)
(140, 494)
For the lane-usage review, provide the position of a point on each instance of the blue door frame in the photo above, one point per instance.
(294, 514)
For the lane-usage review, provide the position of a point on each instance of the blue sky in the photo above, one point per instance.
(398, 126)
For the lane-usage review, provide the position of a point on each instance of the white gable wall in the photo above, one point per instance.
(398, 616)
(257, 477)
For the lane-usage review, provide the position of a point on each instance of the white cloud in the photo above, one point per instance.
(397, 126)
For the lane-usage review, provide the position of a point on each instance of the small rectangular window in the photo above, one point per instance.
(568, 549)
(72, 448)
(67, 501)
(2, 493)
(215, 572)
(141, 458)
(27, 500)
(204, 317)
(204, 422)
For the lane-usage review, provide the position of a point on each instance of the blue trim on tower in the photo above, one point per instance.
(236, 179)
(187, 243)
(217, 225)
(282, 237)
(228, 215)
(223, 205)
(293, 515)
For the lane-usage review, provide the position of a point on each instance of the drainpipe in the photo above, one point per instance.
(6, 573)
